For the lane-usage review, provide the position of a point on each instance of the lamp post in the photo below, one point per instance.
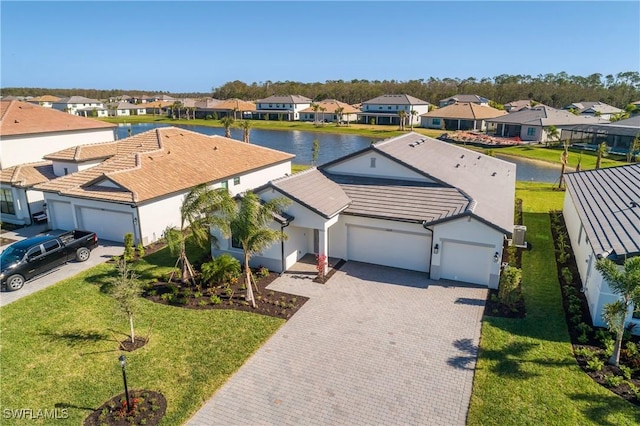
(123, 364)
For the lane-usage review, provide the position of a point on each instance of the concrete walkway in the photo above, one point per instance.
(372, 346)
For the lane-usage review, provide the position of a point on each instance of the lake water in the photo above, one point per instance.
(332, 146)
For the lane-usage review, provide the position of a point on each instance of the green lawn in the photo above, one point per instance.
(526, 373)
(58, 350)
(552, 155)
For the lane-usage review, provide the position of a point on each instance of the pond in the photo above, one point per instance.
(332, 146)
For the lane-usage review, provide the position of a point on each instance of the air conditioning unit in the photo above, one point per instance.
(519, 236)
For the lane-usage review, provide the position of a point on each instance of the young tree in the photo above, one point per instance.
(602, 151)
(126, 291)
(196, 216)
(315, 107)
(227, 121)
(413, 113)
(625, 282)
(564, 158)
(339, 112)
(315, 150)
(248, 223)
(322, 110)
(634, 146)
(245, 125)
(402, 115)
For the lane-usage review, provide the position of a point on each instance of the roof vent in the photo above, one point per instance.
(16, 121)
(215, 148)
(457, 165)
(462, 156)
(479, 157)
(493, 174)
(412, 145)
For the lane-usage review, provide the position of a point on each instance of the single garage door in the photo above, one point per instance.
(466, 262)
(61, 215)
(108, 224)
(395, 248)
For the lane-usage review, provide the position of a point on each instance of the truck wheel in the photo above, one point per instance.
(82, 254)
(15, 282)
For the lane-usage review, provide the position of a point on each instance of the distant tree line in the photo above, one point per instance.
(556, 90)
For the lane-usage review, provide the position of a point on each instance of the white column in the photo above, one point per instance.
(323, 238)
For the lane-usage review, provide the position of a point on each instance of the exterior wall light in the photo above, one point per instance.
(436, 248)
(496, 257)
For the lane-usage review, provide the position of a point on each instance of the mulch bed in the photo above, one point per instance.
(129, 346)
(588, 340)
(148, 409)
(268, 302)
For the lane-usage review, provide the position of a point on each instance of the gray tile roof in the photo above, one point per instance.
(593, 106)
(630, 122)
(288, 99)
(406, 201)
(603, 199)
(488, 181)
(465, 98)
(314, 190)
(395, 100)
(546, 116)
(77, 100)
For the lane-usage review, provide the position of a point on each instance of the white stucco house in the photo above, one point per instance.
(328, 112)
(74, 104)
(27, 133)
(460, 116)
(594, 109)
(409, 202)
(138, 184)
(285, 108)
(385, 109)
(124, 109)
(602, 215)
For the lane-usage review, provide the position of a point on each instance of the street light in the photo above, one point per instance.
(123, 364)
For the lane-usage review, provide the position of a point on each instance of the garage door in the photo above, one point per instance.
(389, 248)
(108, 224)
(466, 262)
(61, 215)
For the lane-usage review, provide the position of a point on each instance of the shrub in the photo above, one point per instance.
(603, 334)
(595, 364)
(215, 300)
(202, 303)
(128, 247)
(634, 389)
(209, 117)
(562, 248)
(612, 381)
(221, 269)
(631, 350)
(263, 272)
(576, 319)
(609, 346)
(228, 291)
(585, 352)
(567, 276)
(197, 294)
(167, 297)
(626, 372)
(140, 250)
(511, 255)
(584, 329)
(575, 309)
(509, 284)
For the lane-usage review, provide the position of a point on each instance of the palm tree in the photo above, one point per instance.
(564, 157)
(413, 113)
(619, 116)
(245, 125)
(403, 116)
(322, 109)
(625, 283)
(339, 112)
(248, 223)
(602, 151)
(176, 106)
(633, 147)
(552, 133)
(196, 216)
(315, 107)
(227, 121)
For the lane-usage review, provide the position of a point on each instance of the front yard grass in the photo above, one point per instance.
(526, 373)
(58, 349)
(552, 155)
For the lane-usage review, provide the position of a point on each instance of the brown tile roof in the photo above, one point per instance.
(331, 105)
(27, 175)
(239, 104)
(22, 118)
(157, 104)
(182, 159)
(465, 111)
(45, 98)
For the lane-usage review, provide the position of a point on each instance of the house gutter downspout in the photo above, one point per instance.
(282, 247)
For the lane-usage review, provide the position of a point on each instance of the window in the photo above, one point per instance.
(373, 163)
(235, 243)
(236, 180)
(66, 171)
(6, 202)
(436, 121)
(389, 107)
(224, 184)
(531, 131)
(34, 252)
(51, 245)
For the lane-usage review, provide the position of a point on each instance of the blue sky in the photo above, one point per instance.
(194, 46)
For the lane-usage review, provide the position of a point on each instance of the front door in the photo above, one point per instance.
(316, 241)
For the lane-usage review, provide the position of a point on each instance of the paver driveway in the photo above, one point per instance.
(374, 345)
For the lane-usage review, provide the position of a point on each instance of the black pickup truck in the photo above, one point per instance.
(29, 258)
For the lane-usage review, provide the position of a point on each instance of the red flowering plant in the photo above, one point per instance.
(321, 263)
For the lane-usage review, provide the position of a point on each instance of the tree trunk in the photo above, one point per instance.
(599, 158)
(249, 297)
(133, 338)
(615, 357)
(560, 184)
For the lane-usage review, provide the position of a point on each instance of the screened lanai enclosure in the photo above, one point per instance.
(619, 139)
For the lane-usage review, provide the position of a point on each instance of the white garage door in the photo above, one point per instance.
(61, 215)
(389, 248)
(466, 262)
(108, 224)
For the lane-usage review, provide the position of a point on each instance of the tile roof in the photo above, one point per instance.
(326, 197)
(207, 103)
(124, 105)
(603, 200)
(593, 106)
(514, 106)
(395, 100)
(27, 175)
(77, 100)
(546, 116)
(331, 105)
(488, 181)
(164, 161)
(465, 111)
(406, 201)
(157, 104)
(238, 104)
(466, 98)
(45, 98)
(22, 118)
(289, 99)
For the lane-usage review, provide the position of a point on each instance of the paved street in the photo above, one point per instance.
(105, 251)
(374, 345)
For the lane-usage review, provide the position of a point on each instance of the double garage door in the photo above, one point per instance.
(108, 224)
(389, 247)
